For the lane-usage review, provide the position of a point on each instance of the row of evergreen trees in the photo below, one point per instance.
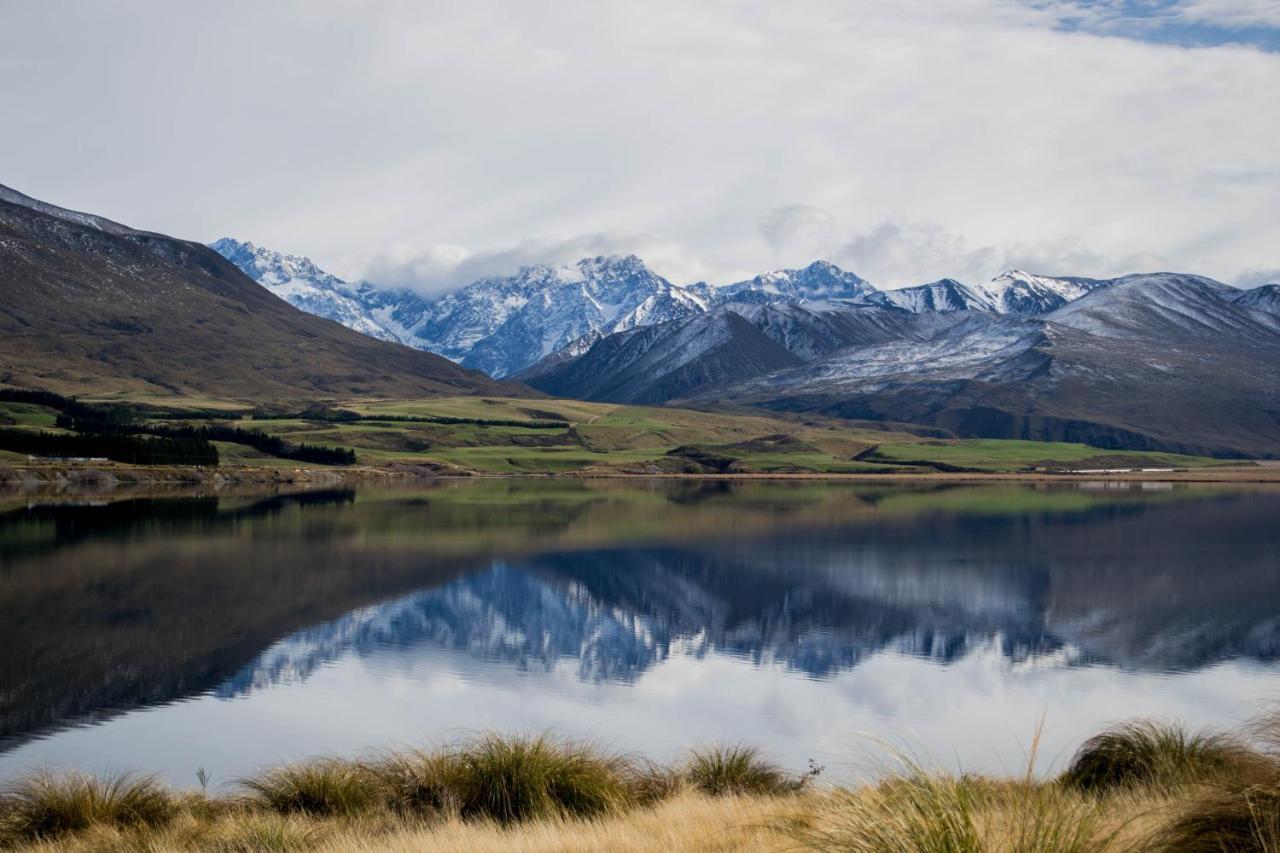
(134, 449)
(119, 429)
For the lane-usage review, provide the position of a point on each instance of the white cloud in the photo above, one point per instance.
(1256, 277)
(1232, 13)
(714, 139)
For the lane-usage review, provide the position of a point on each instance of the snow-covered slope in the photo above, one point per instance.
(1155, 361)
(303, 285)
(1161, 307)
(1012, 292)
(1017, 292)
(820, 280)
(501, 325)
(1264, 298)
(943, 295)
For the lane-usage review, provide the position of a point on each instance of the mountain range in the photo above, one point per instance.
(504, 325)
(1162, 361)
(1142, 362)
(94, 306)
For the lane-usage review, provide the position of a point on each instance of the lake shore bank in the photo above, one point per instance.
(99, 475)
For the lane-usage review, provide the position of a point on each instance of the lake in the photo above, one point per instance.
(168, 632)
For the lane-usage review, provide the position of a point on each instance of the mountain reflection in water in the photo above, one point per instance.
(134, 604)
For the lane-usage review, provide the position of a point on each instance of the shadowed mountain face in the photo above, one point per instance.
(93, 306)
(161, 599)
(1145, 362)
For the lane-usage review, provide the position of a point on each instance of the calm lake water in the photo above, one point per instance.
(167, 633)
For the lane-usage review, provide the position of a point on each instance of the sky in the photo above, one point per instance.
(426, 144)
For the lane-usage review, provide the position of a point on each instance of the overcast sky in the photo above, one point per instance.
(425, 144)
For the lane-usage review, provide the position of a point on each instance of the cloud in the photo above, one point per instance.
(420, 143)
(439, 269)
(1232, 13)
(799, 227)
(1256, 277)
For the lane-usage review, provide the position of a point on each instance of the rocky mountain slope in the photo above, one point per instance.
(1161, 361)
(90, 305)
(506, 325)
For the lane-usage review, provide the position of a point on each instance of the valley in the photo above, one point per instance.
(514, 436)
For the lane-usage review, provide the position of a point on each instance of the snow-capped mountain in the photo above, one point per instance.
(1141, 362)
(946, 294)
(501, 325)
(303, 285)
(1011, 292)
(820, 280)
(1018, 292)
(1264, 298)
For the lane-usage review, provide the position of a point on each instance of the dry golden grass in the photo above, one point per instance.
(536, 794)
(689, 821)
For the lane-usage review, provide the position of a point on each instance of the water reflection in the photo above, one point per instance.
(117, 605)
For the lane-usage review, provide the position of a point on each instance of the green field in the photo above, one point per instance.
(1009, 455)
(603, 438)
(488, 436)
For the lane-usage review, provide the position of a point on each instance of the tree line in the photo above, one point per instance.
(111, 428)
(136, 450)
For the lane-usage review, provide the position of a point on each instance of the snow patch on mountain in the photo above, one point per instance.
(303, 285)
(820, 280)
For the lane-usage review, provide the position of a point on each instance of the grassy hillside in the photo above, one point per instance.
(91, 308)
(513, 435)
(603, 437)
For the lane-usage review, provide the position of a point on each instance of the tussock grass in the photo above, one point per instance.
(418, 783)
(325, 787)
(1146, 752)
(258, 833)
(1146, 786)
(1223, 818)
(737, 770)
(524, 778)
(45, 806)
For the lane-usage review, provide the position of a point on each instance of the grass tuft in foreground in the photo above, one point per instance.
(1227, 816)
(738, 770)
(46, 806)
(524, 778)
(324, 788)
(1152, 753)
(1140, 786)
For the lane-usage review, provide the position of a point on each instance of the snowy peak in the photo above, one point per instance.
(1265, 298)
(818, 281)
(943, 295)
(305, 286)
(503, 325)
(275, 269)
(1018, 292)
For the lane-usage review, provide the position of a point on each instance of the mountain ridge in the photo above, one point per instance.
(505, 325)
(93, 306)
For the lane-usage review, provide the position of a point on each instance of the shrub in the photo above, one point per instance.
(1152, 753)
(524, 778)
(324, 787)
(737, 770)
(45, 806)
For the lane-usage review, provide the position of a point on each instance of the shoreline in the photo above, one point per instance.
(99, 475)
